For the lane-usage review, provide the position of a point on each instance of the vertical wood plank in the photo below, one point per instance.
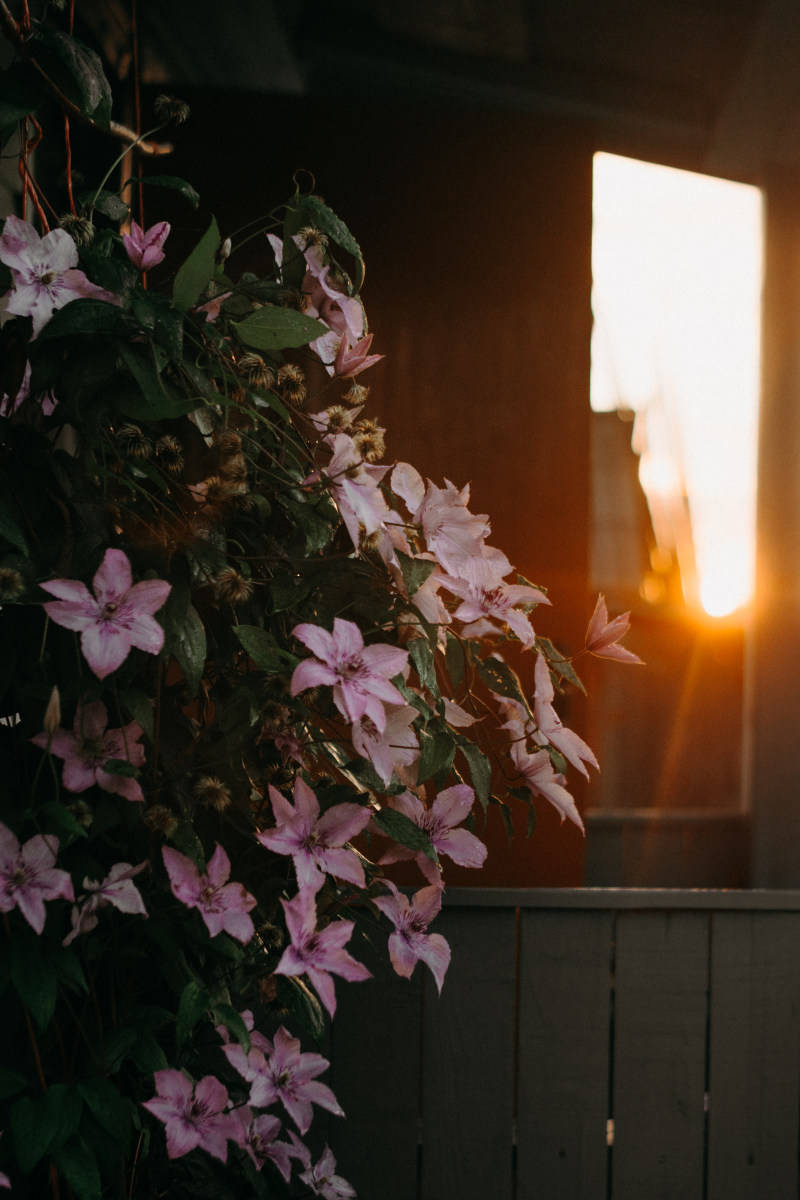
(375, 1061)
(754, 1056)
(563, 1089)
(660, 1014)
(468, 1041)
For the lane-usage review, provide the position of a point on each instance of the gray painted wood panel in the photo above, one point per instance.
(468, 1056)
(660, 1010)
(564, 1028)
(754, 1057)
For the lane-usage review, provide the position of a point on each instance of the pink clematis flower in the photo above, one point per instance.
(28, 876)
(360, 675)
(317, 953)
(352, 360)
(392, 749)
(194, 1114)
(260, 1141)
(89, 746)
(44, 271)
(117, 889)
(411, 940)
(118, 616)
(549, 725)
(539, 774)
(450, 808)
(487, 609)
(142, 247)
(355, 488)
(316, 843)
(285, 1075)
(603, 635)
(223, 906)
(321, 1177)
(453, 534)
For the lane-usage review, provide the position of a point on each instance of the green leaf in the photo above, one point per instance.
(421, 656)
(480, 768)
(12, 1082)
(402, 829)
(33, 980)
(108, 1107)
(76, 70)
(264, 650)
(83, 316)
(117, 1046)
(505, 813)
(33, 1124)
(140, 708)
(226, 1014)
(147, 1054)
(79, 1167)
(68, 969)
(556, 662)
(500, 679)
(311, 210)
(455, 659)
(185, 635)
(110, 204)
(193, 1003)
(158, 401)
(22, 91)
(274, 328)
(198, 270)
(59, 820)
(66, 1104)
(437, 751)
(174, 183)
(415, 571)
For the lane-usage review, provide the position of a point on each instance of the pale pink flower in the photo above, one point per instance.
(194, 1114)
(223, 906)
(352, 360)
(321, 1177)
(354, 486)
(143, 247)
(11, 404)
(392, 748)
(89, 746)
(260, 1140)
(450, 808)
(486, 610)
(118, 616)
(603, 635)
(549, 725)
(453, 534)
(539, 774)
(317, 953)
(28, 876)
(343, 314)
(316, 843)
(44, 271)
(411, 940)
(117, 889)
(359, 675)
(285, 1075)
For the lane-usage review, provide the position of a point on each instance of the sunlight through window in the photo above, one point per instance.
(677, 267)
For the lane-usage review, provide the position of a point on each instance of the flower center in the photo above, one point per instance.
(352, 668)
(110, 609)
(93, 750)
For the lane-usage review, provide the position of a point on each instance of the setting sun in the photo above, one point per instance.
(677, 282)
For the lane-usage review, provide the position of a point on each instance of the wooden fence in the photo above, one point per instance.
(595, 1044)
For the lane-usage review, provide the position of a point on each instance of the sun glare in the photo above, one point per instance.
(677, 269)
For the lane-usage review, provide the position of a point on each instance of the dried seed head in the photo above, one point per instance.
(80, 229)
(368, 543)
(309, 236)
(339, 417)
(291, 298)
(369, 441)
(168, 108)
(160, 819)
(134, 442)
(12, 583)
(212, 792)
(292, 383)
(82, 813)
(259, 375)
(272, 936)
(169, 452)
(231, 585)
(226, 441)
(234, 469)
(356, 395)
(267, 989)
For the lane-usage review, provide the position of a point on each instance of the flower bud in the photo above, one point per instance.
(52, 714)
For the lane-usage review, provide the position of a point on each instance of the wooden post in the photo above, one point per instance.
(774, 677)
